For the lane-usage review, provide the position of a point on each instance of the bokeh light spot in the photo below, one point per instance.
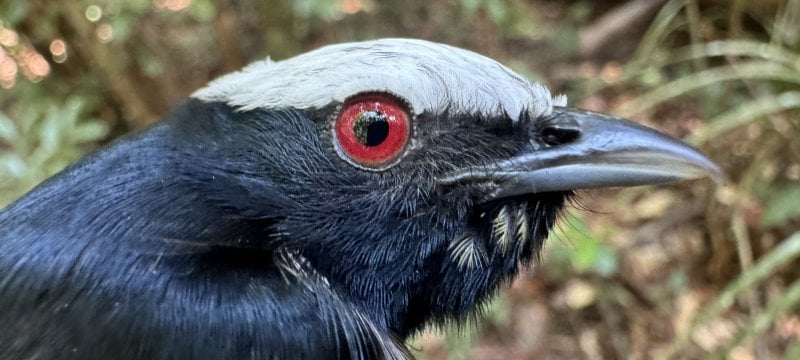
(8, 37)
(172, 5)
(8, 70)
(34, 65)
(58, 49)
(93, 13)
(105, 33)
(351, 6)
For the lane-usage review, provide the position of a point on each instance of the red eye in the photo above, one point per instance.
(372, 130)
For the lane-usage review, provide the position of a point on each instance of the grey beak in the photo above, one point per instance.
(593, 151)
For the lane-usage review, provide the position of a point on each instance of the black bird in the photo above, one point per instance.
(325, 206)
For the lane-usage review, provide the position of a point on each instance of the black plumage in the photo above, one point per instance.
(235, 232)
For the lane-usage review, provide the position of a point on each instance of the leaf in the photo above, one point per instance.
(49, 133)
(89, 131)
(11, 165)
(8, 131)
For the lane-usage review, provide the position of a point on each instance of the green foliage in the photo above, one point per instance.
(783, 205)
(122, 16)
(514, 18)
(497, 10)
(742, 83)
(762, 79)
(323, 9)
(575, 249)
(45, 136)
(760, 323)
(787, 251)
(203, 10)
(759, 70)
(761, 85)
(11, 12)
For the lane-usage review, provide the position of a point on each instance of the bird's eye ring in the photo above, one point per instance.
(371, 130)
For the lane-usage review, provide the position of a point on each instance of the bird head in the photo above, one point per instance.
(414, 178)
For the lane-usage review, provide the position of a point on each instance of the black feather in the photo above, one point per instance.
(241, 234)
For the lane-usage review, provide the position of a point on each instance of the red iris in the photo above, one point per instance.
(372, 130)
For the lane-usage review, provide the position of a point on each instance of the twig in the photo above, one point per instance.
(616, 23)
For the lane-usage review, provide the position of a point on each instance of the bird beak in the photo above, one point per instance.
(592, 150)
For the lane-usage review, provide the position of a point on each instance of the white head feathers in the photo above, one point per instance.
(431, 77)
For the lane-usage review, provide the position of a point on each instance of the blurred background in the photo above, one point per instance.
(693, 270)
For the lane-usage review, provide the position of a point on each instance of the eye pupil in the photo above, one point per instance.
(377, 132)
(371, 128)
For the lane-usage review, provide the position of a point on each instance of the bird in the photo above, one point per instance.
(325, 206)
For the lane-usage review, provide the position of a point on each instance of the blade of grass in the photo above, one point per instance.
(785, 31)
(726, 48)
(788, 250)
(748, 48)
(745, 113)
(788, 299)
(693, 17)
(658, 29)
(754, 70)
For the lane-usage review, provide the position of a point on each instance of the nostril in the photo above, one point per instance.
(554, 135)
